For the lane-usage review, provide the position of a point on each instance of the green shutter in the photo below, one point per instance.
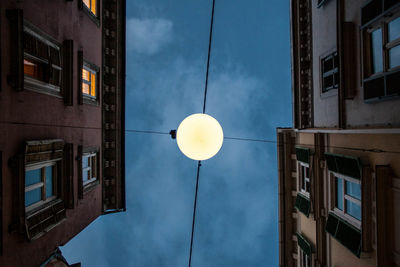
(346, 165)
(303, 154)
(345, 233)
(302, 204)
(304, 244)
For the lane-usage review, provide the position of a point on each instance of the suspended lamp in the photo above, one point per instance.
(199, 136)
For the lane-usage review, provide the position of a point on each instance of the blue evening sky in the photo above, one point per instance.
(249, 94)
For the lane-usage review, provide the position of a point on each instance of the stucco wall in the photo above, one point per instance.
(324, 43)
(358, 112)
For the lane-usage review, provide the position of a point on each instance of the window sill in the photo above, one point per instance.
(41, 87)
(93, 17)
(321, 3)
(90, 101)
(90, 186)
(329, 93)
(347, 218)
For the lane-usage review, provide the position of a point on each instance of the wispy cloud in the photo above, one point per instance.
(148, 36)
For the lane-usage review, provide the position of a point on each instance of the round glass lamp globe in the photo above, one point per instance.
(199, 136)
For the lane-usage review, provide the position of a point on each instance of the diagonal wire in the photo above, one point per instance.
(373, 150)
(204, 111)
(208, 57)
(194, 212)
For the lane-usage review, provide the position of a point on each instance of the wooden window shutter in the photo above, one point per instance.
(304, 244)
(302, 204)
(17, 165)
(44, 220)
(68, 176)
(366, 209)
(344, 233)
(371, 11)
(37, 151)
(80, 182)
(16, 77)
(350, 60)
(68, 72)
(303, 154)
(80, 66)
(346, 165)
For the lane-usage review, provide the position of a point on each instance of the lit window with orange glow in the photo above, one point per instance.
(91, 5)
(89, 83)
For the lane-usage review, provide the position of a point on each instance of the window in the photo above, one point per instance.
(40, 184)
(305, 251)
(41, 62)
(89, 169)
(91, 5)
(305, 259)
(348, 198)
(329, 72)
(381, 44)
(89, 83)
(43, 186)
(305, 179)
(349, 220)
(393, 44)
(91, 8)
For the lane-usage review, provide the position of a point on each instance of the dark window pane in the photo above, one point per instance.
(371, 10)
(374, 88)
(390, 3)
(55, 56)
(42, 50)
(55, 77)
(376, 53)
(394, 57)
(327, 82)
(394, 29)
(339, 193)
(353, 189)
(29, 44)
(336, 79)
(393, 83)
(328, 64)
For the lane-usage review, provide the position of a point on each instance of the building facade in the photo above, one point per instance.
(62, 122)
(339, 175)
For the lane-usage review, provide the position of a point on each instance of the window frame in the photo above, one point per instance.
(380, 22)
(84, 187)
(92, 69)
(94, 17)
(342, 213)
(42, 165)
(92, 157)
(303, 256)
(38, 219)
(33, 84)
(303, 178)
(334, 71)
